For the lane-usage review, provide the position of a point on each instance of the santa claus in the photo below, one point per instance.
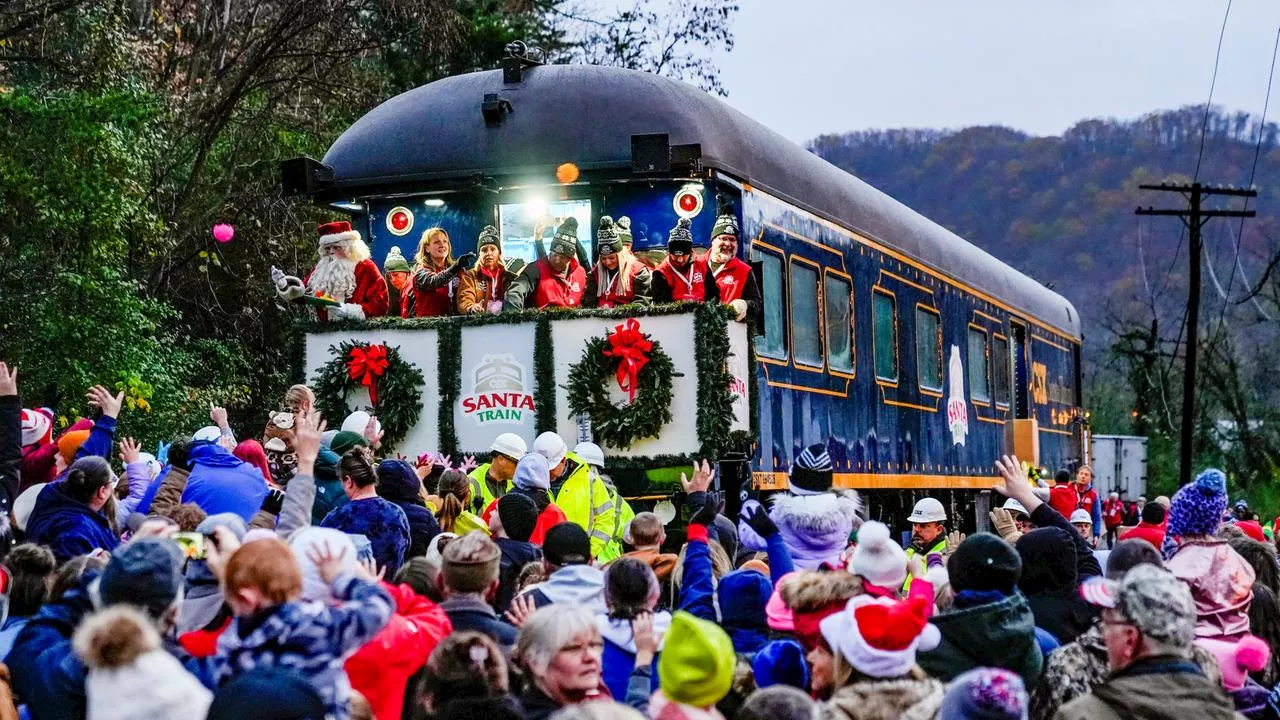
(344, 273)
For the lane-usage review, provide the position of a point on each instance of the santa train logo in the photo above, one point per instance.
(498, 393)
(957, 408)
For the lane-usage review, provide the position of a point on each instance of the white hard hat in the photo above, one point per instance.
(511, 445)
(1014, 506)
(590, 453)
(25, 505)
(550, 446)
(928, 510)
(1081, 516)
(208, 433)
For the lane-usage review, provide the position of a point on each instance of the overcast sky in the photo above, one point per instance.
(807, 67)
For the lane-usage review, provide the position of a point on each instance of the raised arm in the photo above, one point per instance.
(1014, 484)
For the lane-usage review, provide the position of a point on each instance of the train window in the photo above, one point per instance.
(885, 334)
(979, 389)
(835, 299)
(773, 343)
(519, 222)
(928, 348)
(806, 336)
(1001, 362)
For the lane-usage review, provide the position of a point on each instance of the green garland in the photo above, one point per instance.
(715, 401)
(399, 391)
(449, 366)
(617, 426)
(544, 373)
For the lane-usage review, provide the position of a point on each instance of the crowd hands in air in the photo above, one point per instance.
(347, 284)
(296, 576)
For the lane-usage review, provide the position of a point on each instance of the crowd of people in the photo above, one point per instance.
(301, 576)
(438, 284)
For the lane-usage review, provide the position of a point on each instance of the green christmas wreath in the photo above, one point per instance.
(641, 368)
(394, 385)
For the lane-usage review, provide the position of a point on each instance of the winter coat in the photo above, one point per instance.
(697, 588)
(1251, 700)
(381, 669)
(1068, 497)
(887, 700)
(537, 706)
(1086, 562)
(310, 638)
(476, 287)
(382, 522)
(474, 615)
(815, 528)
(579, 584)
(662, 564)
(370, 292)
(619, 658)
(68, 526)
(538, 286)
(1153, 689)
(515, 555)
(1049, 581)
(996, 634)
(12, 626)
(1076, 668)
(1153, 534)
(742, 595)
(1221, 584)
(402, 487)
(1113, 513)
(329, 493)
(221, 482)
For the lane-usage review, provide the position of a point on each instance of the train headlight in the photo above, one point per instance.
(687, 202)
(400, 221)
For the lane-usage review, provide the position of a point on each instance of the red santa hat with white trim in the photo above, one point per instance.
(37, 427)
(338, 231)
(880, 637)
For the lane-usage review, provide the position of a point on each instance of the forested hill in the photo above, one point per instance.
(1061, 208)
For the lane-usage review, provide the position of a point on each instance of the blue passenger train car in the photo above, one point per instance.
(915, 356)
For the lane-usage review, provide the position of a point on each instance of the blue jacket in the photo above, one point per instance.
(697, 589)
(223, 483)
(69, 527)
(101, 437)
(743, 595)
(619, 658)
(329, 494)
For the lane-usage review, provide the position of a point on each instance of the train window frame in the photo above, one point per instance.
(1002, 399)
(758, 252)
(878, 291)
(819, 311)
(930, 390)
(978, 330)
(828, 275)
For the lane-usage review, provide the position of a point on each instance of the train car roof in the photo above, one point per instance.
(587, 114)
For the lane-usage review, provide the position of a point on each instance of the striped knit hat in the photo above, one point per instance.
(811, 473)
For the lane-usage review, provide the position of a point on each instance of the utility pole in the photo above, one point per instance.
(1194, 218)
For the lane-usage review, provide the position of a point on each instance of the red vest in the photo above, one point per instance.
(732, 279)
(612, 295)
(554, 290)
(682, 289)
(435, 303)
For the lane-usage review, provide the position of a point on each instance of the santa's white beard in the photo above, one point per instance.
(335, 277)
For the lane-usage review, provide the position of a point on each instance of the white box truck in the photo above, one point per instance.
(1119, 463)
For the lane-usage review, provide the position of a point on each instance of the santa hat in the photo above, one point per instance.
(812, 472)
(877, 559)
(37, 427)
(879, 637)
(338, 231)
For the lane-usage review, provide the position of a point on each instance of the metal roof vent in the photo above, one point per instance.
(520, 55)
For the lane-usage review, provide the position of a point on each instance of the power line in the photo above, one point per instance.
(1217, 57)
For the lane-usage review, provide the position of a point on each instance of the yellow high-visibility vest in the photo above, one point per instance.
(587, 502)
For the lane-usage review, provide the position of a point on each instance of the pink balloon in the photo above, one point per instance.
(223, 232)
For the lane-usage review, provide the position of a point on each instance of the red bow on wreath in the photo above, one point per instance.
(367, 364)
(630, 347)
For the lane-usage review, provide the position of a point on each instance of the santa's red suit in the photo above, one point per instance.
(352, 279)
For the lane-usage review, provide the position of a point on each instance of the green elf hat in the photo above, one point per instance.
(565, 241)
(489, 236)
(624, 230)
(395, 262)
(680, 239)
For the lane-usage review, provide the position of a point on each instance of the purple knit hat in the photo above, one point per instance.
(1197, 508)
(985, 694)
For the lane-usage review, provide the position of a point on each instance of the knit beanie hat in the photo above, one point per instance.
(518, 514)
(1237, 658)
(811, 473)
(781, 662)
(313, 586)
(146, 573)
(697, 662)
(37, 427)
(471, 563)
(395, 261)
(565, 241)
(726, 220)
(777, 615)
(345, 440)
(69, 444)
(877, 558)
(743, 595)
(130, 676)
(984, 562)
(567, 544)
(489, 236)
(624, 230)
(607, 236)
(1197, 508)
(985, 694)
(533, 472)
(267, 693)
(879, 637)
(680, 239)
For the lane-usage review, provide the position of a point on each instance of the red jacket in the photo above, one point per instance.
(1153, 534)
(732, 278)
(381, 668)
(1067, 498)
(690, 287)
(370, 293)
(435, 292)
(556, 290)
(1113, 513)
(550, 517)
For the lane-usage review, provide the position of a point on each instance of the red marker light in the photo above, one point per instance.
(400, 221)
(687, 202)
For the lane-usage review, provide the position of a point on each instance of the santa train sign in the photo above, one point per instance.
(489, 375)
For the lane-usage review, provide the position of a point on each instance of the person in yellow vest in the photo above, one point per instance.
(928, 532)
(492, 480)
(576, 490)
(622, 514)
